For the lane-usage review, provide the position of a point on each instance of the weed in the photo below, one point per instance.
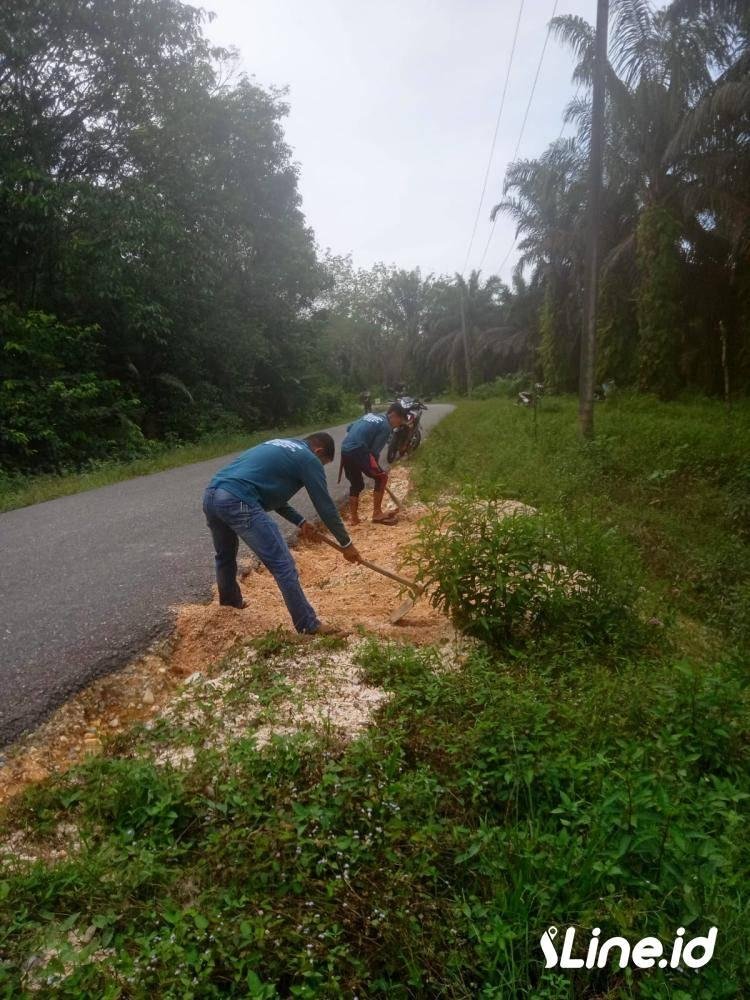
(510, 577)
(670, 478)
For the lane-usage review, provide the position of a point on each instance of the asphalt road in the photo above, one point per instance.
(87, 581)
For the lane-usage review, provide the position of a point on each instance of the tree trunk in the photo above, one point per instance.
(725, 364)
(660, 311)
(465, 339)
(588, 340)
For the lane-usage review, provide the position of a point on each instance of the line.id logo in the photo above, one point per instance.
(644, 954)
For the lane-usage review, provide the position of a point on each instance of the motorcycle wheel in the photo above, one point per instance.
(416, 439)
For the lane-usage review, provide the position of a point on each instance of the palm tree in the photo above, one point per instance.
(713, 140)
(463, 314)
(661, 67)
(400, 307)
(714, 144)
(546, 197)
(514, 345)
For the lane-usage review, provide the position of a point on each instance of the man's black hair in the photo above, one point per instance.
(324, 441)
(398, 409)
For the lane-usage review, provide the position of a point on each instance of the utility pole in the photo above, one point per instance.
(588, 338)
(465, 338)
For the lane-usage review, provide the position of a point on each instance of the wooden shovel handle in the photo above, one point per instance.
(376, 569)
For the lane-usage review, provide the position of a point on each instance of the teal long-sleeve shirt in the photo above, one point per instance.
(271, 473)
(371, 432)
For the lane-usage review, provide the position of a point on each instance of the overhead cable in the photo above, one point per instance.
(515, 240)
(494, 138)
(523, 123)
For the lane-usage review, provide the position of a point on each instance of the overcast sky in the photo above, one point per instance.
(393, 106)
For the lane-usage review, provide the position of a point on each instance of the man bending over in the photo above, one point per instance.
(360, 455)
(236, 502)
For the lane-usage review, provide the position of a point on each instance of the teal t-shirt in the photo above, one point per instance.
(272, 472)
(371, 432)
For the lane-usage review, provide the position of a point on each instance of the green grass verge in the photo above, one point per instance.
(495, 797)
(425, 859)
(22, 491)
(672, 480)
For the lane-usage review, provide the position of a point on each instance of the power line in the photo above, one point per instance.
(523, 125)
(494, 138)
(513, 244)
(536, 79)
(511, 248)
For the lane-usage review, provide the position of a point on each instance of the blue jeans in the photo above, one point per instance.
(230, 519)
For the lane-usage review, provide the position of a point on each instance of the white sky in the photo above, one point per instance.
(393, 106)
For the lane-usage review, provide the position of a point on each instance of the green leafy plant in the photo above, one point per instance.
(56, 410)
(504, 386)
(506, 574)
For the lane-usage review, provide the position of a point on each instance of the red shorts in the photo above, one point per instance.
(359, 463)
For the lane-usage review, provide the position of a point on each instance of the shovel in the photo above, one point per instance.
(395, 499)
(405, 607)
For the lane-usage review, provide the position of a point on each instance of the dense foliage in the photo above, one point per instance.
(675, 224)
(388, 325)
(149, 210)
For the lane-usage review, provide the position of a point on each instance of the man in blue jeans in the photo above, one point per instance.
(236, 502)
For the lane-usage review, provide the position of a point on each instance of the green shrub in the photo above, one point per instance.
(504, 385)
(330, 400)
(56, 408)
(507, 575)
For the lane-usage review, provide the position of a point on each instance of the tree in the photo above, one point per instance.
(662, 69)
(375, 318)
(463, 316)
(147, 192)
(57, 410)
(546, 198)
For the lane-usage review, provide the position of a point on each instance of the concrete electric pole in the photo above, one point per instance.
(588, 338)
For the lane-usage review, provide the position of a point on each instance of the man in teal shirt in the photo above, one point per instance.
(360, 456)
(236, 505)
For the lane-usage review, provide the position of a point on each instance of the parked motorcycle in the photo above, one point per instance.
(531, 398)
(407, 438)
(604, 391)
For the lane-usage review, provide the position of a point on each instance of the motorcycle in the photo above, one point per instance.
(605, 390)
(407, 438)
(531, 398)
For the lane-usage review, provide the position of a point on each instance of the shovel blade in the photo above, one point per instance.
(394, 498)
(402, 611)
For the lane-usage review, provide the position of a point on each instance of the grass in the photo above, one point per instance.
(673, 481)
(494, 797)
(22, 491)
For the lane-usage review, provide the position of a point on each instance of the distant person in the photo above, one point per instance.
(237, 500)
(360, 456)
(366, 401)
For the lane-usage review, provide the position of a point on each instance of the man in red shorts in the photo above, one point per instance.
(360, 453)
